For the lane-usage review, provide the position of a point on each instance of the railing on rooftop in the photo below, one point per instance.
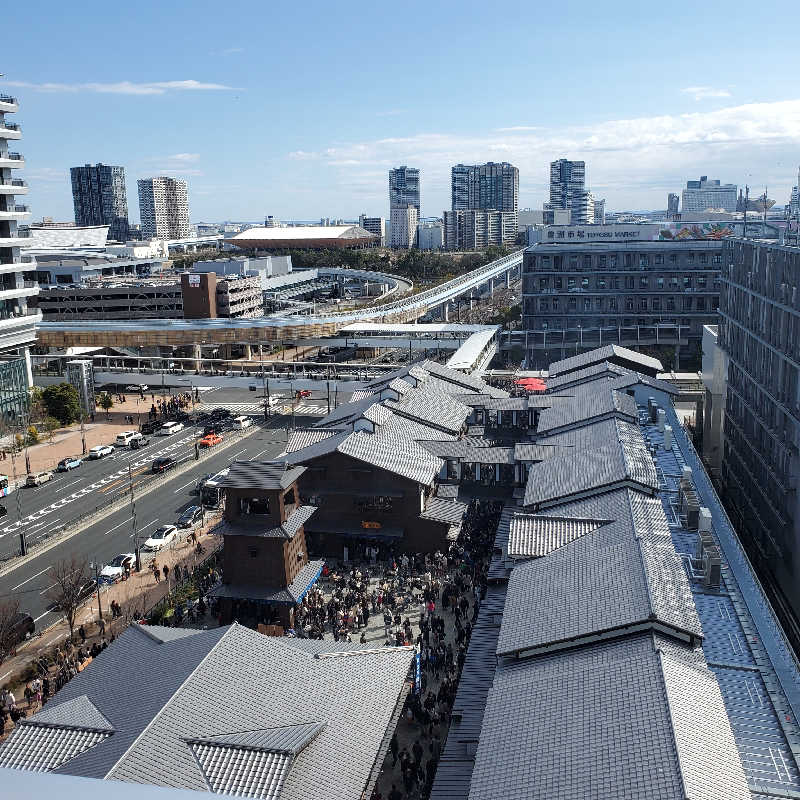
(15, 182)
(7, 98)
(11, 126)
(12, 156)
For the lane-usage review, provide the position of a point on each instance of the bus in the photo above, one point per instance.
(3, 485)
(211, 492)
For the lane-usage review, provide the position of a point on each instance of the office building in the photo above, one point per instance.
(404, 188)
(17, 320)
(376, 225)
(794, 202)
(476, 229)
(703, 195)
(164, 208)
(404, 226)
(567, 184)
(672, 204)
(760, 334)
(492, 186)
(207, 295)
(643, 294)
(99, 197)
(430, 235)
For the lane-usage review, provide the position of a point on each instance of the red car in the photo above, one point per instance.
(210, 440)
(301, 393)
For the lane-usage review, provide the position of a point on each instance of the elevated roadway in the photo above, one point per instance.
(180, 333)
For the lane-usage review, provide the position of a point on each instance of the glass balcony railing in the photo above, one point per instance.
(10, 126)
(7, 98)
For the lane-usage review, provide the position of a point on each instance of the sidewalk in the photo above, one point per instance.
(67, 441)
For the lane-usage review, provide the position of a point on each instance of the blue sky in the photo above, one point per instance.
(299, 109)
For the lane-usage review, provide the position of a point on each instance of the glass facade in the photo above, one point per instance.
(13, 390)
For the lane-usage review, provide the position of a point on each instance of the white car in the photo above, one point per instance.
(100, 451)
(168, 428)
(115, 569)
(161, 538)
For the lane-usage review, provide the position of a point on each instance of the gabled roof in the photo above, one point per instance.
(622, 461)
(260, 475)
(433, 408)
(536, 535)
(621, 718)
(405, 458)
(461, 379)
(602, 369)
(166, 700)
(305, 437)
(442, 510)
(610, 352)
(586, 405)
(79, 712)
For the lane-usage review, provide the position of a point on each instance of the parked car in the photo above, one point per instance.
(222, 413)
(161, 538)
(208, 429)
(190, 517)
(149, 427)
(168, 428)
(66, 464)
(117, 567)
(38, 478)
(163, 463)
(139, 442)
(302, 393)
(210, 440)
(101, 451)
(86, 591)
(240, 423)
(126, 437)
(20, 627)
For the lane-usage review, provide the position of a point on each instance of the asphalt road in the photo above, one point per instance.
(113, 534)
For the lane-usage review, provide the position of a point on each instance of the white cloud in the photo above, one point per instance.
(124, 87)
(634, 160)
(184, 157)
(48, 174)
(705, 92)
(520, 128)
(394, 112)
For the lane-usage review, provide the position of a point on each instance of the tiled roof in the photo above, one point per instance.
(441, 510)
(300, 438)
(467, 450)
(251, 526)
(260, 475)
(536, 452)
(289, 595)
(602, 369)
(607, 353)
(346, 412)
(508, 404)
(377, 413)
(616, 719)
(448, 490)
(624, 459)
(462, 379)
(79, 712)
(404, 428)
(360, 394)
(399, 385)
(436, 409)
(534, 536)
(227, 684)
(405, 458)
(586, 406)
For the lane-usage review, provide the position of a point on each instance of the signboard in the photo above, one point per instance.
(646, 232)
(194, 280)
(371, 525)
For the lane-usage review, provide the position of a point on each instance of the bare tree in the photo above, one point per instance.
(8, 635)
(69, 576)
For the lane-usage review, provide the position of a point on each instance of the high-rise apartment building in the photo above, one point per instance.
(17, 321)
(164, 208)
(672, 203)
(376, 225)
(404, 188)
(567, 183)
(760, 333)
(579, 295)
(99, 197)
(476, 229)
(702, 195)
(403, 226)
(491, 186)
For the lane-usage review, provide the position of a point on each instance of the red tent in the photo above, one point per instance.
(531, 384)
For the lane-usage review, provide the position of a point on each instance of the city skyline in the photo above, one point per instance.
(213, 122)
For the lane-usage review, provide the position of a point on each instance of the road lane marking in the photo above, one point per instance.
(117, 526)
(68, 485)
(43, 615)
(239, 453)
(148, 525)
(14, 589)
(44, 591)
(184, 486)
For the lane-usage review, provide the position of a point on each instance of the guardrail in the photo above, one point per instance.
(99, 512)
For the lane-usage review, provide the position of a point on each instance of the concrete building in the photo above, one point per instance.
(715, 378)
(567, 184)
(672, 204)
(430, 235)
(404, 226)
(578, 295)
(265, 267)
(100, 198)
(80, 374)
(491, 186)
(164, 208)
(404, 188)
(66, 267)
(207, 296)
(476, 229)
(704, 194)
(17, 320)
(66, 236)
(376, 225)
(760, 335)
(304, 237)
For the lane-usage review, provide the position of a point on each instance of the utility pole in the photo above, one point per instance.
(134, 535)
(329, 396)
(96, 568)
(23, 545)
(83, 435)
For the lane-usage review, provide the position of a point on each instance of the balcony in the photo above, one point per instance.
(15, 212)
(8, 103)
(12, 160)
(10, 130)
(16, 292)
(13, 187)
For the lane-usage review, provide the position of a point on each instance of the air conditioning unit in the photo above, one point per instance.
(712, 568)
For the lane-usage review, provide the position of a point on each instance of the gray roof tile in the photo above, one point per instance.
(251, 526)
(606, 353)
(441, 510)
(586, 406)
(300, 438)
(260, 475)
(534, 536)
(43, 748)
(79, 712)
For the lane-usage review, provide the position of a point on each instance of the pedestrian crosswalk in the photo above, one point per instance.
(257, 409)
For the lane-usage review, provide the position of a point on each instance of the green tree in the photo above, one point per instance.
(61, 402)
(51, 425)
(33, 434)
(105, 402)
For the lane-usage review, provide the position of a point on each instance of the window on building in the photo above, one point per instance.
(644, 281)
(628, 259)
(687, 303)
(656, 304)
(717, 258)
(253, 505)
(629, 304)
(601, 261)
(642, 304)
(601, 282)
(585, 283)
(587, 304)
(573, 262)
(612, 260)
(615, 283)
(544, 261)
(670, 304)
(687, 281)
(598, 303)
(704, 258)
(543, 305)
(612, 303)
(629, 282)
(572, 304)
(555, 304)
(673, 281)
(559, 283)
(571, 283)
(690, 258)
(644, 260)
(673, 258)
(659, 258)
(701, 304)
(701, 281)
(660, 282)
(557, 262)
(542, 283)
(587, 261)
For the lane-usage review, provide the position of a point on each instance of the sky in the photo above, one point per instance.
(300, 109)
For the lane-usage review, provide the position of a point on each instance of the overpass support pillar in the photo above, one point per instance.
(197, 356)
(471, 302)
(247, 351)
(508, 279)
(446, 312)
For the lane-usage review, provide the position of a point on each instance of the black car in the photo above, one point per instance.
(164, 463)
(220, 412)
(190, 517)
(139, 442)
(181, 416)
(149, 427)
(210, 429)
(202, 482)
(20, 627)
